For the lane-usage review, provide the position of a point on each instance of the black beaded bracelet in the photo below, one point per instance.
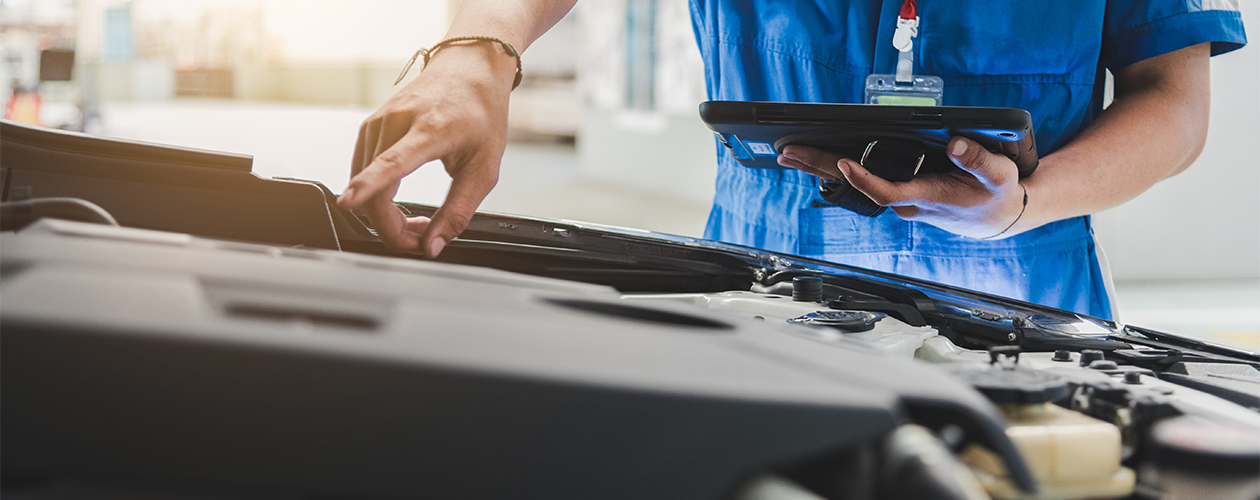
(1017, 217)
(428, 53)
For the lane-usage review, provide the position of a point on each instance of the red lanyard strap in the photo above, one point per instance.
(909, 9)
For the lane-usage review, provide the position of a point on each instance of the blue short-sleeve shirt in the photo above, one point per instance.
(1047, 57)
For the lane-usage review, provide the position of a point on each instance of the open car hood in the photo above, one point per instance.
(241, 334)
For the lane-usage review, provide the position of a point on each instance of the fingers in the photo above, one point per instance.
(982, 174)
(799, 165)
(356, 160)
(990, 168)
(396, 232)
(372, 188)
(385, 169)
(376, 179)
(449, 114)
(465, 195)
(811, 161)
(883, 192)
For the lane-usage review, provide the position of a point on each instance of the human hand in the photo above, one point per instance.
(454, 111)
(979, 200)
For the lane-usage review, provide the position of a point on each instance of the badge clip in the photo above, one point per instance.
(905, 88)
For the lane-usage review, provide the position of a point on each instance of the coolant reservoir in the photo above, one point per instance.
(1073, 456)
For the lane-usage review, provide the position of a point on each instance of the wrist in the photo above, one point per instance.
(483, 61)
(1020, 198)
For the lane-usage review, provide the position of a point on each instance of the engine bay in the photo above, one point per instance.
(173, 323)
(1094, 413)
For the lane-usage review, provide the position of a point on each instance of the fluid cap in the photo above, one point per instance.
(849, 321)
(1006, 382)
(807, 289)
(1021, 386)
(1062, 355)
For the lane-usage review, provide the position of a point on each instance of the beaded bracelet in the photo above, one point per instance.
(428, 53)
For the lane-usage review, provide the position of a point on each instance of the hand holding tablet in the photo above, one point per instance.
(895, 143)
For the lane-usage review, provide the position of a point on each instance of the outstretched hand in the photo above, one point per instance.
(456, 112)
(979, 200)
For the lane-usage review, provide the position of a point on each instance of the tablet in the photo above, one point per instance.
(756, 132)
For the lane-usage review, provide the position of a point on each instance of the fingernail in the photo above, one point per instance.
(435, 246)
(960, 147)
(792, 156)
(843, 165)
(348, 194)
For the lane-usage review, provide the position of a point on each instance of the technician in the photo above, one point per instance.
(981, 228)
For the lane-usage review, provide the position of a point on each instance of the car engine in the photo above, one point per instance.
(174, 326)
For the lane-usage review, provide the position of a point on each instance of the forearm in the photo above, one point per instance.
(516, 22)
(1153, 130)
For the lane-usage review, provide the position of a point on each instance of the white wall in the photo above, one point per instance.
(667, 150)
(324, 31)
(1204, 223)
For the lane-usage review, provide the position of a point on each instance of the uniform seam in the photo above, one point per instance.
(1122, 40)
(1149, 26)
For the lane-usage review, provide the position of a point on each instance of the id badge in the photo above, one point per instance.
(920, 90)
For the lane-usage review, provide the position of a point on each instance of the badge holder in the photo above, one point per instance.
(905, 88)
(917, 90)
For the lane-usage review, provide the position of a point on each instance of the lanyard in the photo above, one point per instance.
(903, 39)
(909, 10)
(904, 87)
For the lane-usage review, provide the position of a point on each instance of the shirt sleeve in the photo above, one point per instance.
(1136, 30)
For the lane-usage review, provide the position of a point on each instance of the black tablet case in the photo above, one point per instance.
(756, 132)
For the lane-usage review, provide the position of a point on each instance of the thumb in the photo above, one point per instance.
(465, 195)
(990, 168)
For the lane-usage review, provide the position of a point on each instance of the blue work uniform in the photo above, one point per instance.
(1047, 57)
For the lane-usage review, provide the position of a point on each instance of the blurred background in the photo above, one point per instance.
(603, 129)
